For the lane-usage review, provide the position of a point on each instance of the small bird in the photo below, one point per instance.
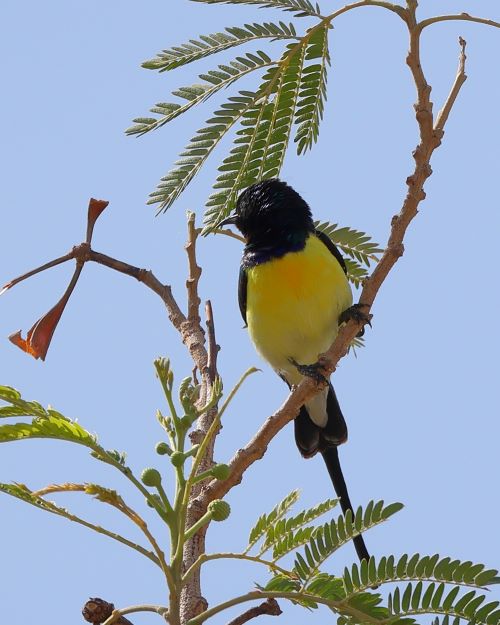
(293, 293)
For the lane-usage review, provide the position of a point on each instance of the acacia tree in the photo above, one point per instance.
(287, 104)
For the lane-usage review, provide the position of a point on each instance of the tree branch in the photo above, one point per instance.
(460, 78)
(395, 8)
(97, 611)
(145, 276)
(269, 607)
(359, 616)
(235, 556)
(464, 17)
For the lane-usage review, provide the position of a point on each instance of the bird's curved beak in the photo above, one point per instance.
(229, 221)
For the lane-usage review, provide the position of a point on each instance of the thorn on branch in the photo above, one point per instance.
(96, 611)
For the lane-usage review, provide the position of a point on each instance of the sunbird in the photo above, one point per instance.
(293, 294)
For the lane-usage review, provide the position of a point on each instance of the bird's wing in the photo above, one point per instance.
(242, 293)
(332, 247)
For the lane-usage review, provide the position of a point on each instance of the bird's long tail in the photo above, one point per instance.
(331, 458)
(311, 438)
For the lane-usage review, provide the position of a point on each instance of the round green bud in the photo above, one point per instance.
(221, 471)
(151, 477)
(219, 510)
(163, 449)
(177, 458)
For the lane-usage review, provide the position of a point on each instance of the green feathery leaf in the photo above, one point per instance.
(292, 541)
(412, 601)
(266, 520)
(49, 423)
(329, 537)
(312, 96)
(357, 245)
(215, 80)
(48, 427)
(199, 149)
(261, 144)
(326, 586)
(417, 568)
(355, 272)
(282, 533)
(20, 407)
(217, 42)
(301, 8)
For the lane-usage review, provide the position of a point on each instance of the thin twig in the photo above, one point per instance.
(460, 78)
(234, 556)
(116, 616)
(464, 17)
(52, 263)
(116, 501)
(395, 8)
(336, 605)
(270, 607)
(147, 278)
(229, 233)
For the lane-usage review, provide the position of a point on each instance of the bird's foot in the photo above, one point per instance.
(355, 313)
(313, 371)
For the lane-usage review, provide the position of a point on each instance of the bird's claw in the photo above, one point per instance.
(311, 371)
(355, 313)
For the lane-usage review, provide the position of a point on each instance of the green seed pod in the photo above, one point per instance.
(219, 510)
(221, 471)
(177, 458)
(163, 449)
(151, 477)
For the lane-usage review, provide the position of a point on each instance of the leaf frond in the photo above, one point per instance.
(301, 8)
(356, 244)
(283, 532)
(331, 536)
(214, 81)
(417, 568)
(414, 600)
(194, 50)
(266, 520)
(312, 95)
(356, 273)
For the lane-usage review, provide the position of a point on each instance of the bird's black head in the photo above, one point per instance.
(272, 214)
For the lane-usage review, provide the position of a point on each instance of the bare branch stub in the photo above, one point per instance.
(194, 272)
(96, 611)
(460, 78)
(213, 348)
(269, 607)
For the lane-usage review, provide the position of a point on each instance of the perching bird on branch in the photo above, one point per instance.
(293, 294)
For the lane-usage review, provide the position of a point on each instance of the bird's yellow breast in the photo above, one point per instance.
(293, 306)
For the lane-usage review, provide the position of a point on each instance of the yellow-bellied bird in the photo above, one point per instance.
(293, 293)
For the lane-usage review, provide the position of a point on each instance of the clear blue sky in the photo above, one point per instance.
(422, 397)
